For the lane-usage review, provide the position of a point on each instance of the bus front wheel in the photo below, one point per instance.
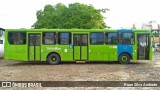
(53, 59)
(124, 58)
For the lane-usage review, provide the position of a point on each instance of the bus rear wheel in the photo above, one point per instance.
(124, 58)
(53, 59)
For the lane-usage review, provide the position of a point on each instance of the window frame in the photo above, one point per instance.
(106, 37)
(80, 40)
(97, 38)
(56, 35)
(59, 39)
(17, 38)
(120, 38)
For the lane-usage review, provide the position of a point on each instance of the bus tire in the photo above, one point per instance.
(53, 59)
(124, 58)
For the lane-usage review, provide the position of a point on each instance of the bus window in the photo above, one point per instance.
(143, 40)
(111, 38)
(127, 38)
(64, 38)
(49, 38)
(1, 41)
(17, 37)
(1, 33)
(97, 38)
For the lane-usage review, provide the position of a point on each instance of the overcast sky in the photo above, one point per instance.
(123, 13)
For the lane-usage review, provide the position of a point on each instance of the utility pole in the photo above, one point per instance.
(150, 24)
(133, 27)
(159, 33)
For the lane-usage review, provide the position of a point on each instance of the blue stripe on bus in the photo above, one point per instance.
(124, 48)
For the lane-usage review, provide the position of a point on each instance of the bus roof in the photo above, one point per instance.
(79, 30)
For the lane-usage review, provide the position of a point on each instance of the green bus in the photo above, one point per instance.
(77, 45)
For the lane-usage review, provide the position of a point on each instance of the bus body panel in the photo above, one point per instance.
(16, 52)
(102, 52)
(124, 48)
(134, 53)
(150, 54)
(96, 54)
(64, 51)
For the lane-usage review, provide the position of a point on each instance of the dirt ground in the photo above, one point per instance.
(106, 71)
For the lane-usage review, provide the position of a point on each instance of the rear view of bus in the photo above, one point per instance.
(1, 43)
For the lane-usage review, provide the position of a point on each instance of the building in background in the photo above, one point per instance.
(156, 43)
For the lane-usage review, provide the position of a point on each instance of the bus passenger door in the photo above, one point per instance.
(34, 49)
(143, 46)
(80, 43)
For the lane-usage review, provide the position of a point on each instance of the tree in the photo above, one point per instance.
(76, 15)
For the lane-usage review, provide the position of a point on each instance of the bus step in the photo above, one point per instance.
(80, 61)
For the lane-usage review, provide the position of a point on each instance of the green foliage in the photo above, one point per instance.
(76, 15)
(155, 34)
